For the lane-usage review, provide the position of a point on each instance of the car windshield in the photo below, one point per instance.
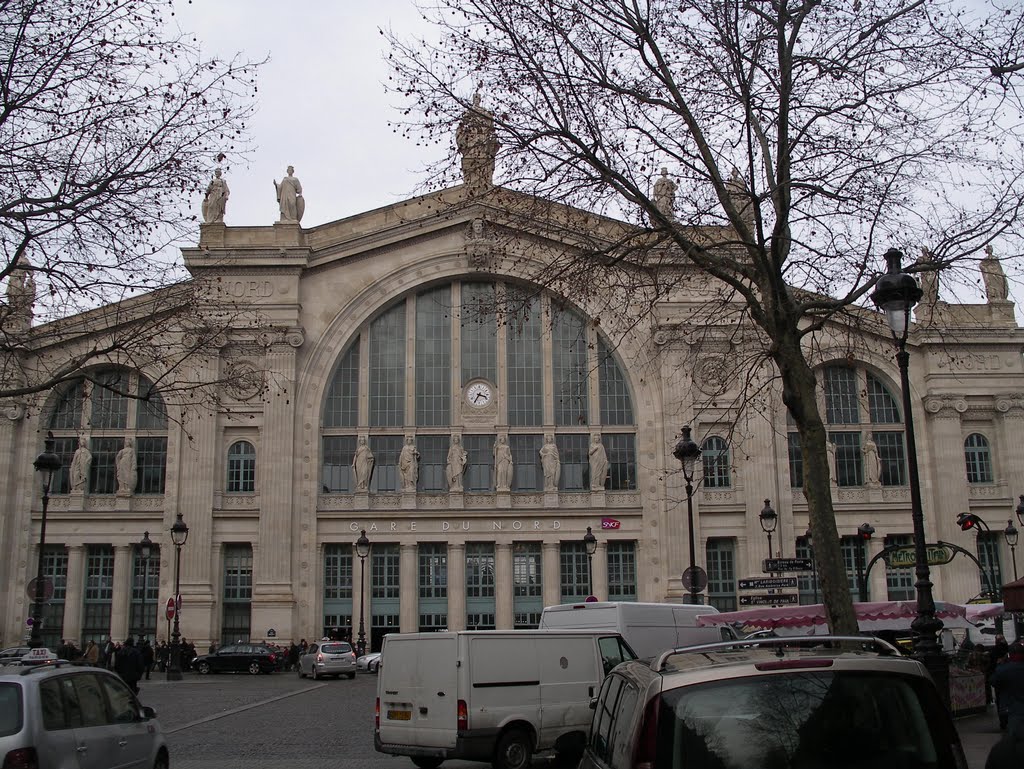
(338, 648)
(10, 709)
(819, 720)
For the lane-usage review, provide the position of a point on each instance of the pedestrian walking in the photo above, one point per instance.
(92, 654)
(1008, 682)
(147, 657)
(129, 664)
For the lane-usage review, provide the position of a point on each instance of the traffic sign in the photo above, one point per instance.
(767, 583)
(47, 588)
(769, 600)
(695, 579)
(786, 564)
(170, 610)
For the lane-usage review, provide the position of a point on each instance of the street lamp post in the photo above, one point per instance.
(46, 463)
(590, 543)
(688, 452)
(769, 520)
(864, 532)
(814, 568)
(145, 551)
(179, 534)
(362, 550)
(896, 293)
(1010, 532)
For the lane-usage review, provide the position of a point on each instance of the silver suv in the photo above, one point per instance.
(70, 715)
(788, 703)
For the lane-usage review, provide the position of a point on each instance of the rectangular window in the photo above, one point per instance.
(988, 554)
(109, 402)
(337, 572)
(616, 406)
(526, 470)
(796, 461)
(55, 568)
(849, 458)
(431, 622)
(480, 571)
(237, 610)
(848, 547)
(65, 449)
(99, 591)
(433, 558)
(151, 454)
(881, 405)
(145, 593)
(720, 553)
(526, 620)
(574, 582)
(569, 369)
(622, 571)
(527, 570)
(899, 583)
(433, 460)
(892, 464)
(337, 468)
(384, 571)
(479, 475)
(241, 469)
(342, 406)
(524, 361)
(842, 406)
(621, 461)
(387, 368)
(434, 356)
(480, 621)
(573, 454)
(386, 450)
(808, 589)
(478, 329)
(103, 472)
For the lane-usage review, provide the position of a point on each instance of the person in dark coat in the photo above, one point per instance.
(148, 657)
(129, 664)
(1008, 681)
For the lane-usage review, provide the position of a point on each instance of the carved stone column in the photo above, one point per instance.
(74, 593)
(456, 586)
(503, 586)
(409, 616)
(599, 576)
(552, 586)
(122, 592)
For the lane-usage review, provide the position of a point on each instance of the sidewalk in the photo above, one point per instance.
(978, 734)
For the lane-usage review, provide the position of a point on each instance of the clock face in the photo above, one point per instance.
(479, 394)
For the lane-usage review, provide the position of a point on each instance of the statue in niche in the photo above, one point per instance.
(289, 197)
(598, 463)
(550, 463)
(81, 463)
(216, 200)
(457, 458)
(833, 467)
(477, 142)
(996, 289)
(872, 464)
(502, 464)
(127, 469)
(408, 465)
(362, 464)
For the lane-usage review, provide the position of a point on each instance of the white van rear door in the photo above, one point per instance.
(418, 690)
(570, 674)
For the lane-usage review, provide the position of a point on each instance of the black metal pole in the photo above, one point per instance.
(695, 598)
(145, 586)
(814, 575)
(36, 637)
(361, 643)
(862, 586)
(174, 671)
(590, 574)
(926, 625)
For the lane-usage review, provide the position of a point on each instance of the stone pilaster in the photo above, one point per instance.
(74, 592)
(599, 571)
(122, 592)
(552, 587)
(408, 618)
(456, 586)
(503, 614)
(1011, 409)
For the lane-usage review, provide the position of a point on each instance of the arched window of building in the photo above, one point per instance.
(480, 360)
(118, 409)
(241, 467)
(978, 459)
(715, 457)
(865, 424)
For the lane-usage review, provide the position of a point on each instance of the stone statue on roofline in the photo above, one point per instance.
(996, 288)
(477, 142)
(216, 199)
(665, 195)
(289, 198)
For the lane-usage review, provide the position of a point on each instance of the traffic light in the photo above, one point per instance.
(865, 530)
(968, 521)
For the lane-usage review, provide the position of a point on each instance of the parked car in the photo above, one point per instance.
(237, 658)
(12, 655)
(815, 701)
(369, 663)
(69, 715)
(328, 658)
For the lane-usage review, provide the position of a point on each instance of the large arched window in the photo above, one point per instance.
(117, 410)
(241, 467)
(488, 363)
(865, 426)
(715, 459)
(978, 459)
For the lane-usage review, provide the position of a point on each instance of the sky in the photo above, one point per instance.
(321, 106)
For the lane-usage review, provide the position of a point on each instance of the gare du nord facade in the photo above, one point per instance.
(417, 325)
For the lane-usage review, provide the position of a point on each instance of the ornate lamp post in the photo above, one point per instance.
(688, 452)
(590, 543)
(769, 520)
(362, 550)
(814, 568)
(145, 551)
(46, 463)
(179, 533)
(966, 522)
(1010, 532)
(864, 532)
(896, 294)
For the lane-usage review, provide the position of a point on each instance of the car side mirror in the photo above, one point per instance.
(148, 712)
(593, 703)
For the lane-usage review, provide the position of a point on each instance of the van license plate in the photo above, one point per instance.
(399, 715)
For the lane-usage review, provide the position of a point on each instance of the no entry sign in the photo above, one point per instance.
(169, 611)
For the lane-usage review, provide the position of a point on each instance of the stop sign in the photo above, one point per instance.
(169, 611)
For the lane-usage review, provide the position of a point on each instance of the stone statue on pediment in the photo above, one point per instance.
(929, 280)
(477, 142)
(289, 198)
(996, 288)
(216, 199)
(665, 195)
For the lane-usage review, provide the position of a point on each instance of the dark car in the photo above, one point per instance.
(237, 658)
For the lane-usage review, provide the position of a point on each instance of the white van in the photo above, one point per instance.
(649, 628)
(490, 695)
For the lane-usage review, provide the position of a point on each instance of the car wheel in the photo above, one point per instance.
(427, 762)
(314, 675)
(254, 668)
(161, 762)
(203, 668)
(513, 751)
(351, 675)
(301, 674)
(373, 667)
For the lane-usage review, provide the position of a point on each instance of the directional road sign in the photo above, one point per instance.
(786, 564)
(767, 583)
(769, 600)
